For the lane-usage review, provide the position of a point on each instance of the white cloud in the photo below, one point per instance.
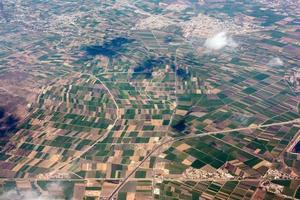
(55, 186)
(26, 195)
(275, 62)
(30, 194)
(219, 41)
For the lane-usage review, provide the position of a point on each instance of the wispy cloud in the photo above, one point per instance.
(30, 194)
(275, 62)
(219, 41)
(24, 195)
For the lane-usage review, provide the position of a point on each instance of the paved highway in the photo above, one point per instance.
(252, 127)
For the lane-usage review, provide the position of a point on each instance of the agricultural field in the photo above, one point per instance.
(130, 99)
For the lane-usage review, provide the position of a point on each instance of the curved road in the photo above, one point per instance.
(102, 137)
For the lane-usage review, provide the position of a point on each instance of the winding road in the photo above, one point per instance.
(101, 138)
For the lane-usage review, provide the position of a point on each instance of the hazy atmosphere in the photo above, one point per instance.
(149, 99)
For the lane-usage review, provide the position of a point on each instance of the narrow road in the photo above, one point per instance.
(125, 180)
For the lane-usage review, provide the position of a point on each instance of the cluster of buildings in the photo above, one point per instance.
(294, 80)
(210, 174)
